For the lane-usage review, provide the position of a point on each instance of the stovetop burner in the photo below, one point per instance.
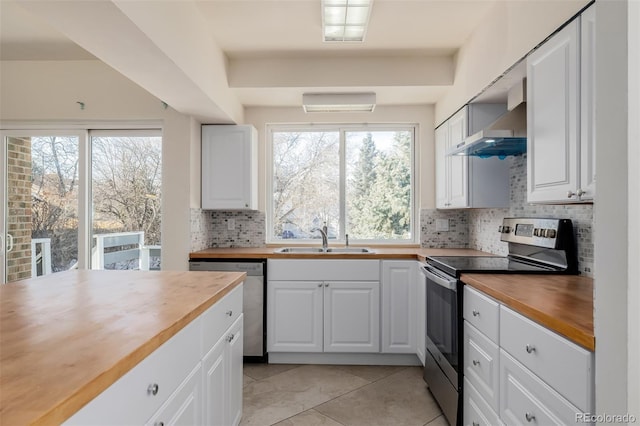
(536, 245)
(455, 265)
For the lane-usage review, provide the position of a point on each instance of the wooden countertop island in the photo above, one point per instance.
(66, 337)
(562, 303)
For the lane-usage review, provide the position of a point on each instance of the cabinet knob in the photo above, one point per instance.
(326, 284)
(229, 313)
(580, 192)
(476, 362)
(320, 285)
(475, 313)
(530, 417)
(230, 337)
(475, 424)
(153, 389)
(530, 349)
(158, 424)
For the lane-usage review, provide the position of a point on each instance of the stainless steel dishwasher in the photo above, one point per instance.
(253, 298)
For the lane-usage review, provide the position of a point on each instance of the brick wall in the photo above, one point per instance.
(19, 208)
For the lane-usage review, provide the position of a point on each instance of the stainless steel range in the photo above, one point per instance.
(536, 246)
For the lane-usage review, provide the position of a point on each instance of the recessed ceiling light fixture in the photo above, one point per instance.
(345, 20)
(339, 102)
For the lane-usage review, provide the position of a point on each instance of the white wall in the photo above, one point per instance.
(40, 92)
(259, 117)
(634, 210)
(612, 210)
(509, 31)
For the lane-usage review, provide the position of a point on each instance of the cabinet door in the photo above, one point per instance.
(398, 306)
(351, 316)
(234, 356)
(229, 167)
(294, 321)
(458, 180)
(215, 371)
(587, 104)
(184, 406)
(421, 313)
(442, 165)
(553, 84)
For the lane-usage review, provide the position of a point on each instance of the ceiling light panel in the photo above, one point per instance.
(345, 20)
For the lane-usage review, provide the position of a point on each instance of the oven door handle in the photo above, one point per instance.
(440, 279)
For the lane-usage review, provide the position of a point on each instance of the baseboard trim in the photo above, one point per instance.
(343, 358)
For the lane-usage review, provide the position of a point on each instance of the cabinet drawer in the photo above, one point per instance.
(477, 411)
(218, 318)
(132, 395)
(565, 366)
(482, 312)
(527, 400)
(481, 364)
(184, 407)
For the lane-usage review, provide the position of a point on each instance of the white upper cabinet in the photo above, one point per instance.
(229, 167)
(467, 181)
(560, 125)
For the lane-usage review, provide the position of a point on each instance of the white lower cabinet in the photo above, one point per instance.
(222, 377)
(526, 399)
(399, 306)
(184, 407)
(519, 371)
(476, 410)
(323, 316)
(319, 306)
(194, 378)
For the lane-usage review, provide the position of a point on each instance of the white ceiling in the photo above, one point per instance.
(251, 31)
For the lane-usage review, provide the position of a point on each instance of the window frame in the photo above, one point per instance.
(342, 129)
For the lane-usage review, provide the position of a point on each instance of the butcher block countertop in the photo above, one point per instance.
(415, 253)
(562, 303)
(66, 337)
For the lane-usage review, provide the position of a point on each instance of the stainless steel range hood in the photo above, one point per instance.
(504, 137)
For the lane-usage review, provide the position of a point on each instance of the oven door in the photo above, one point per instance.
(442, 321)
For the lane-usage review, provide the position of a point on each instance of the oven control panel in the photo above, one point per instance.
(540, 232)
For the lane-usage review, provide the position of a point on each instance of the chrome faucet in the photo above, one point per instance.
(323, 231)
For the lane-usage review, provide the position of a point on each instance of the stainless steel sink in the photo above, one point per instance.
(361, 250)
(300, 250)
(349, 250)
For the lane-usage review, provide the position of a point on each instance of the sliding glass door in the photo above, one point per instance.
(126, 198)
(40, 204)
(66, 203)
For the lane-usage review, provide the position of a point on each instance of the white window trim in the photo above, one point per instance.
(342, 129)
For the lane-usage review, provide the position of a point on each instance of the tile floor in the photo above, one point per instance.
(335, 395)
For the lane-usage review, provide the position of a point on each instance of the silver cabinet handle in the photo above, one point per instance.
(476, 362)
(153, 389)
(229, 313)
(578, 193)
(230, 337)
(475, 313)
(530, 349)
(475, 424)
(326, 284)
(319, 284)
(158, 424)
(530, 417)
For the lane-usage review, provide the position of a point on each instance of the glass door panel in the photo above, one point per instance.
(40, 203)
(126, 198)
